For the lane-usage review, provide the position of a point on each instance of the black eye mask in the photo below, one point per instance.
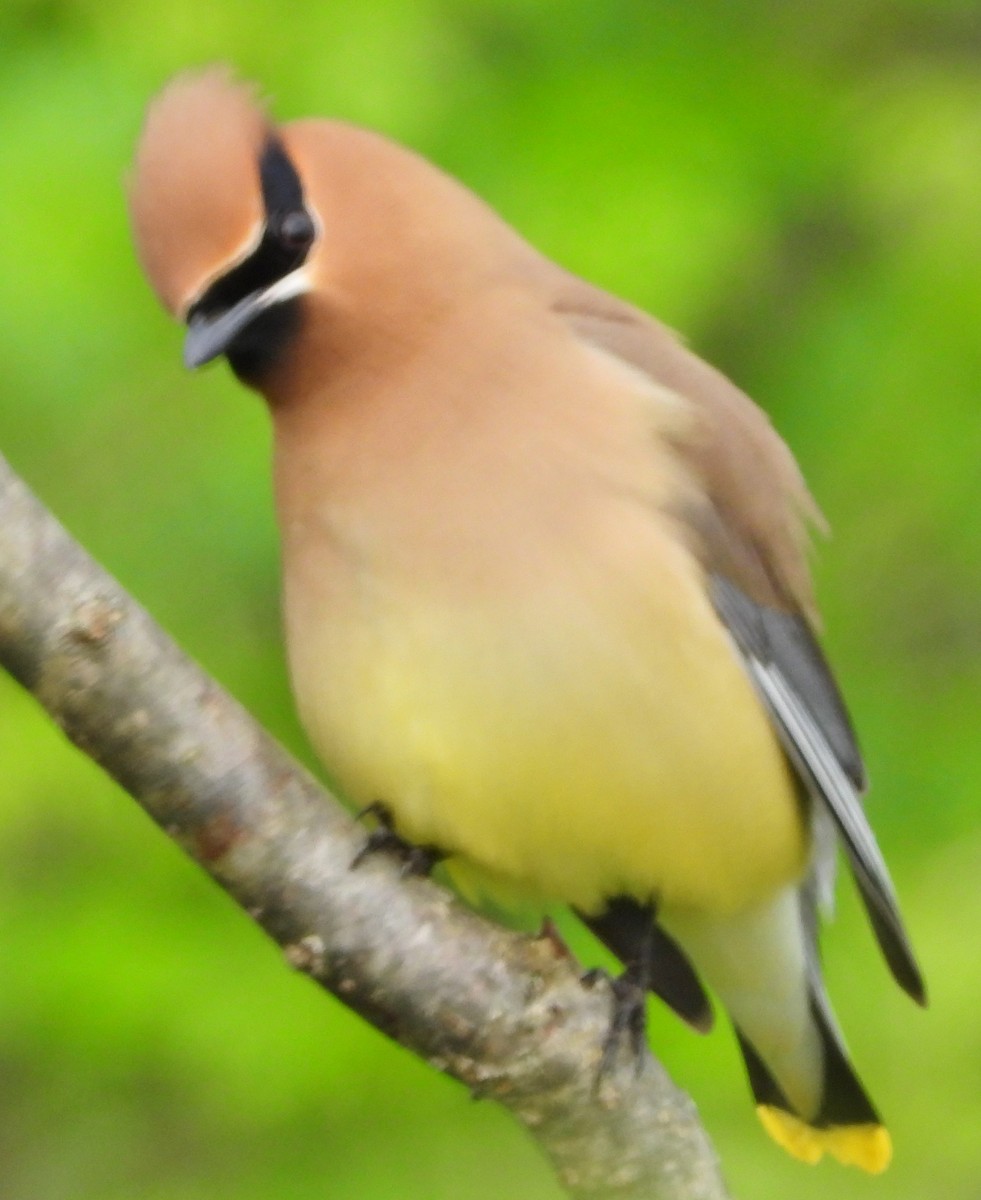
(288, 234)
(237, 316)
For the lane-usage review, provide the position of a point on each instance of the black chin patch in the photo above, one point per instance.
(260, 345)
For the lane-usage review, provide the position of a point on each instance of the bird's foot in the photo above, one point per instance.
(628, 1019)
(415, 860)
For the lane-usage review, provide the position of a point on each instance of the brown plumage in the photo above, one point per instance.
(546, 591)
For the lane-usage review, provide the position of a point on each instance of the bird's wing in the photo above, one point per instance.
(795, 683)
(751, 533)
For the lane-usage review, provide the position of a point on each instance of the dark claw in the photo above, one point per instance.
(381, 812)
(416, 860)
(589, 979)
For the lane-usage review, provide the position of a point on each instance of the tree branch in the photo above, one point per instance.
(501, 1012)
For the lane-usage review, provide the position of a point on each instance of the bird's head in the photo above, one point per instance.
(223, 228)
(251, 232)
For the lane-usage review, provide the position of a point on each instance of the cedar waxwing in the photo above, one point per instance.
(546, 593)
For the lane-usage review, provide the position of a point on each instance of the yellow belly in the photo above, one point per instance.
(572, 740)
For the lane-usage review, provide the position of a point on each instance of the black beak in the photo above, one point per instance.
(210, 334)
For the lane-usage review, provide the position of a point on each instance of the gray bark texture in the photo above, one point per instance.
(503, 1013)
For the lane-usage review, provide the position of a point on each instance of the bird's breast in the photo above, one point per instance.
(579, 729)
(496, 628)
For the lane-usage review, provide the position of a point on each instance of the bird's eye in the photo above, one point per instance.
(296, 230)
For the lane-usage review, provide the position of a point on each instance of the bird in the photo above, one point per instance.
(547, 600)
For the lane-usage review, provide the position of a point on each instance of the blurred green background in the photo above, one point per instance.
(796, 187)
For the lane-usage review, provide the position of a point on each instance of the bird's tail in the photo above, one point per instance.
(845, 1126)
(763, 963)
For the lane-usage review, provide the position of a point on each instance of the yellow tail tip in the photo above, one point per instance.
(866, 1146)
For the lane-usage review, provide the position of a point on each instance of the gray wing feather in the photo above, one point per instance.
(799, 692)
